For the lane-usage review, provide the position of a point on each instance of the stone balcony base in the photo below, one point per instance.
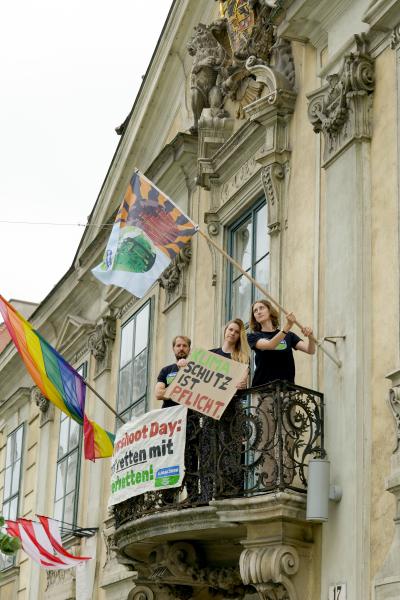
(229, 548)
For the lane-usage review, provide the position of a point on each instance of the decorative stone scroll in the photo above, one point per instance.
(269, 569)
(395, 38)
(278, 81)
(341, 109)
(173, 278)
(272, 178)
(141, 592)
(46, 408)
(100, 343)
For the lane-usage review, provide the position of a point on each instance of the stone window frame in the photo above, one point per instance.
(76, 450)
(141, 402)
(7, 562)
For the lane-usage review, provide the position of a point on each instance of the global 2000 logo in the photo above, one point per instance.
(167, 476)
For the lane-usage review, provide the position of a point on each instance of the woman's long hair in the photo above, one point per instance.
(254, 326)
(241, 352)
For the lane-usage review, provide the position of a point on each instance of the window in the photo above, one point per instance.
(249, 246)
(12, 482)
(68, 467)
(132, 390)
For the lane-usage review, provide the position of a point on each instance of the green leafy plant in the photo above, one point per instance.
(8, 545)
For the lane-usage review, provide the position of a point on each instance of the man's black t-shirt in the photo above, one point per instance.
(273, 364)
(166, 376)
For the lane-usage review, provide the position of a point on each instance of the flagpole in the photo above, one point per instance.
(104, 401)
(265, 293)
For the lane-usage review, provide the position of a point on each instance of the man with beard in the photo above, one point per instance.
(181, 348)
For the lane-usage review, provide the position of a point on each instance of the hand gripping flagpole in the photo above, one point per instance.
(337, 362)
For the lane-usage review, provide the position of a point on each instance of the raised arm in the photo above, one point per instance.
(271, 344)
(307, 346)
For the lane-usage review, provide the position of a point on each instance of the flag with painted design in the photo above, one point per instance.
(149, 231)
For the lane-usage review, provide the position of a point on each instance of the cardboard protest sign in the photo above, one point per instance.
(207, 383)
(149, 454)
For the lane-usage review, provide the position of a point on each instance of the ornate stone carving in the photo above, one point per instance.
(124, 309)
(272, 178)
(395, 39)
(341, 108)
(241, 176)
(220, 78)
(175, 563)
(394, 404)
(100, 342)
(205, 84)
(269, 569)
(141, 592)
(213, 223)
(46, 408)
(172, 279)
(80, 354)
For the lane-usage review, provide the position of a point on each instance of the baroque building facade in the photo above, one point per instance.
(274, 125)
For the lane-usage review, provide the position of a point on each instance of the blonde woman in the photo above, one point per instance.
(235, 346)
(221, 447)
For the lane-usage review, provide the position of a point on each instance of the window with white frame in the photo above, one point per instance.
(134, 359)
(68, 467)
(12, 483)
(248, 243)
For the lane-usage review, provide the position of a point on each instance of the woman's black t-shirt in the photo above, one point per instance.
(221, 352)
(273, 364)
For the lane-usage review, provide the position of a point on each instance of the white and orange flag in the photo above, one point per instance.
(41, 540)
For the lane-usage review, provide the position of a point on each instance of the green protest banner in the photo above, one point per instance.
(207, 383)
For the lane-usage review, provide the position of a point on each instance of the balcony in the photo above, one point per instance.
(237, 525)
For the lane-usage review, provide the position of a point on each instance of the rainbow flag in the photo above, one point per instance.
(98, 441)
(149, 231)
(56, 379)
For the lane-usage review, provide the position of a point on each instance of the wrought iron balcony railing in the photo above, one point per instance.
(262, 443)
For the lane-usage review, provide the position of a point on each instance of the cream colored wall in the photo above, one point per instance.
(299, 267)
(385, 285)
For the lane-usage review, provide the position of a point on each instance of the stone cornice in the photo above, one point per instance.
(238, 148)
(179, 154)
(73, 335)
(11, 404)
(311, 19)
(382, 15)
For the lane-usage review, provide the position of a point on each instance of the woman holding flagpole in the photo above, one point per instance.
(273, 346)
(274, 360)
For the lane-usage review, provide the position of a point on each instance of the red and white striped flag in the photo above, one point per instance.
(42, 542)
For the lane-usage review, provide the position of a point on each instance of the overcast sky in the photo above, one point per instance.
(70, 72)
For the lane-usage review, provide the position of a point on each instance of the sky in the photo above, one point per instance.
(69, 74)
